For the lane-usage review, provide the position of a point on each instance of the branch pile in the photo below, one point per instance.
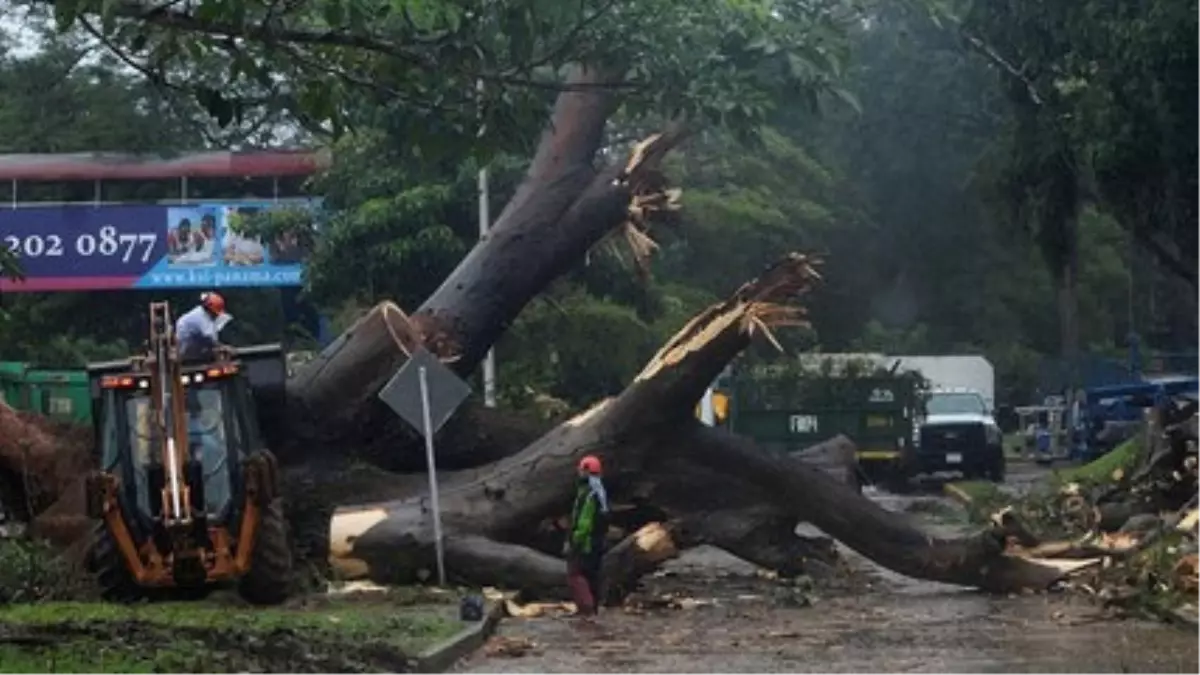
(1132, 530)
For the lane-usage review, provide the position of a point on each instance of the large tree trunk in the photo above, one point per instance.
(562, 208)
(651, 446)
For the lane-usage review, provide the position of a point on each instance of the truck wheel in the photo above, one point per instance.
(105, 562)
(996, 468)
(269, 579)
(895, 479)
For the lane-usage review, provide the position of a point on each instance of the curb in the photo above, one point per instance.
(1185, 617)
(442, 656)
(957, 494)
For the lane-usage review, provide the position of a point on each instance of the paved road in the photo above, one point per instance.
(877, 621)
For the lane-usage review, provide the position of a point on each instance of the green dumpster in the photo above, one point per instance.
(12, 376)
(58, 394)
(787, 414)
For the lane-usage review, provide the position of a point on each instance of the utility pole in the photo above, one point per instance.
(485, 220)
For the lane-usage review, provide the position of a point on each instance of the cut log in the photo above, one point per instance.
(636, 556)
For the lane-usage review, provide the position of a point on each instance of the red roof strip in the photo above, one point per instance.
(44, 284)
(92, 166)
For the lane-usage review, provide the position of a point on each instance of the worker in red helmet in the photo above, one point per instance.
(197, 329)
(584, 548)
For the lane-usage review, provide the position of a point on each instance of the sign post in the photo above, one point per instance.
(425, 394)
(430, 461)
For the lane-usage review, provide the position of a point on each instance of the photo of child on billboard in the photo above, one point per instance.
(191, 243)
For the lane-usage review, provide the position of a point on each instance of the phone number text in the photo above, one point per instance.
(106, 242)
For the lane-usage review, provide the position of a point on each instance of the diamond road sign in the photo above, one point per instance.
(446, 391)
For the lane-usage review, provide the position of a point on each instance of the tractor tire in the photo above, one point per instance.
(269, 580)
(106, 564)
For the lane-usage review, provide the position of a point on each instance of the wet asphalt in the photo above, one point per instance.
(729, 618)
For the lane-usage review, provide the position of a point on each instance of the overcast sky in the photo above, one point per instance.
(14, 23)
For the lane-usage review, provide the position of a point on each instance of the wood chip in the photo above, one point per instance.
(510, 647)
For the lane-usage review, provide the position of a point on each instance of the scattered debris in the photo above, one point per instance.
(635, 604)
(536, 609)
(355, 587)
(1187, 573)
(510, 647)
(1125, 536)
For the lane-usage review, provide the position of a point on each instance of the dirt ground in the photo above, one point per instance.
(873, 621)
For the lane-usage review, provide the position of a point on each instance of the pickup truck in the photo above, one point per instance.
(958, 433)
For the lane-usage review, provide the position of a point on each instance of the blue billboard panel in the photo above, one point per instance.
(77, 247)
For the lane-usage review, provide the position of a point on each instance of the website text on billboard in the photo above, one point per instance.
(81, 247)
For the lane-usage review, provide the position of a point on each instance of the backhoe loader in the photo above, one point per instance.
(186, 495)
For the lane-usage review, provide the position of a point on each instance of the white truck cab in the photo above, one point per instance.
(958, 433)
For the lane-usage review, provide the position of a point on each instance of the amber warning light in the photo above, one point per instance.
(129, 382)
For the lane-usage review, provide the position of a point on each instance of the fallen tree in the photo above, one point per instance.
(653, 446)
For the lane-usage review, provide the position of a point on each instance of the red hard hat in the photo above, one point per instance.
(590, 464)
(213, 303)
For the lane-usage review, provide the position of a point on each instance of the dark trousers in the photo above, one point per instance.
(583, 578)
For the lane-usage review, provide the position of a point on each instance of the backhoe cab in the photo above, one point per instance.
(187, 495)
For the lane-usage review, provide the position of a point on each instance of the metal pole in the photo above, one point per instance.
(433, 486)
(489, 361)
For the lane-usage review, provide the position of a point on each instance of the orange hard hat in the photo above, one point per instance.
(213, 303)
(590, 464)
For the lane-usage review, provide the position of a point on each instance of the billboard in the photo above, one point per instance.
(81, 247)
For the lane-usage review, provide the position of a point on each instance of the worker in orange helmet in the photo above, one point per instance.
(584, 548)
(197, 329)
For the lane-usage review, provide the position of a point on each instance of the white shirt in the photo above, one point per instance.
(195, 329)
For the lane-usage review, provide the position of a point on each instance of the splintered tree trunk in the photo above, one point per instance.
(562, 208)
(651, 445)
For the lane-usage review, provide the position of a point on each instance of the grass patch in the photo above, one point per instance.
(338, 620)
(131, 652)
(31, 571)
(1103, 468)
(342, 636)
